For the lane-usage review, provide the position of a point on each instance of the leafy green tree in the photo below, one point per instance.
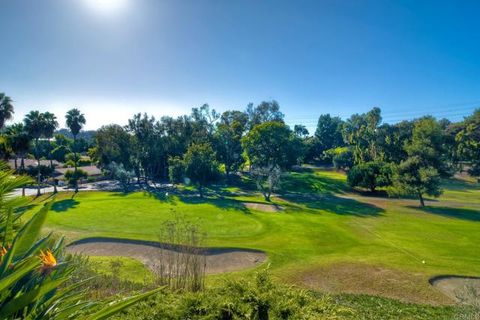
(360, 132)
(201, 166)
(176, 170)
(6, 109)
(228, 138)
(19, 141)
(271, 144)
(414, 178)
(114, 144)
(328, 134)
(428, 143)
(421, 172)
(203, 120)
(266, 111)
(370, 175)
(149, 156)
(49, 127)
(75, 121)
(301, 131)
(391, 140)
(35, 126)
(468, 142)
(270, 148)
(342, 158)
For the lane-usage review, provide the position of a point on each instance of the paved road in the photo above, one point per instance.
(94, 186)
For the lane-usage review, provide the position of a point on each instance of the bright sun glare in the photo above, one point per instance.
(107, 6)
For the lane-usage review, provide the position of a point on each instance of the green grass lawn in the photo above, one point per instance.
(327, 238)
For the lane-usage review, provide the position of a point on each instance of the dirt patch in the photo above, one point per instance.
(458, 288)
(360, 278)
(218, 260)
(263, 207)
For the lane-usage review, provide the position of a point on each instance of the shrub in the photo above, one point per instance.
(342, 158)
(259, 298)
(370, 175)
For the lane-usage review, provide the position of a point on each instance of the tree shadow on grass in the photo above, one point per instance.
(457, 213)
(310, 183)
(221, 203)
(65, 205)
(335, 205)
(460, 185)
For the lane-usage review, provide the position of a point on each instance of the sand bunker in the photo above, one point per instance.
(218, 260)
(461, 289)
(263, 207)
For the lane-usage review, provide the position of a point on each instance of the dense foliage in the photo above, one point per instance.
(409, 157)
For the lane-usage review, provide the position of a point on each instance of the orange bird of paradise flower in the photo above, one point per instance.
(3, 252)
(48, 260)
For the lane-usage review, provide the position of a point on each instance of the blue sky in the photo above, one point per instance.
(120, 57)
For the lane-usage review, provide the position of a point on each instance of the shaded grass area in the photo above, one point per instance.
(323, 224)
(455, 213)
(126, 269)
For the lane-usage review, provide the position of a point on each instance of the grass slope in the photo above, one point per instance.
(326, 238)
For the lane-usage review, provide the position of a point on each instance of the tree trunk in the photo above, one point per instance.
(16, 166)
(75, 162)
(267, 195)
(38, 168)
(22, 163)
(422, 202)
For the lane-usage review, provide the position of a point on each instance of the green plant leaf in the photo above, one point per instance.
(20, 271)
(26, 298)
(29, 234)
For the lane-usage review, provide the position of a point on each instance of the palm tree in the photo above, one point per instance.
(35, 126)
(6, 109)
(75, 122)
(19, 141)
(50, 125)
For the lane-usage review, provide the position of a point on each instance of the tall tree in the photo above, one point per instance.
(227, 139)
(328, 134)
(35, 126)
(201, 166)
(148, 148)
(301, 131)
(468, 141)
(265, 112)
(19, 141)
(270, 147)
(50, 125)
(6, 109)
(360, 131)
(114, 144)
(420, 173)
(75, 121)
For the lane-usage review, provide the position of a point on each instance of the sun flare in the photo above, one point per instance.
(107, 6)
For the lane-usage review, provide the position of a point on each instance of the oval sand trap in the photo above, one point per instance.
(218, 260)
(263, 207)
(458, 288)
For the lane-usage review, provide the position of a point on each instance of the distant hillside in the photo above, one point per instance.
(88, 135)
